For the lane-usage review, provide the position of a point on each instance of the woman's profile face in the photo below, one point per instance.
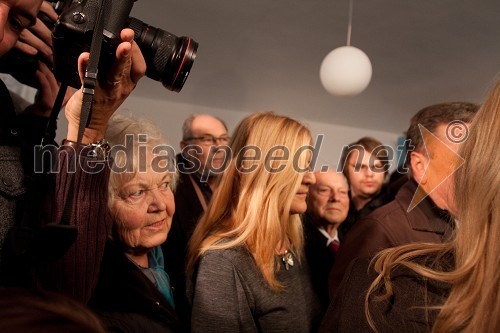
(142, 210)
(299, 203)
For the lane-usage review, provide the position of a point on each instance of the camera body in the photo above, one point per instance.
(72, 35)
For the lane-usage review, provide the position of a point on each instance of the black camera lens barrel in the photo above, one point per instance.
(187, 55)
(169, 58)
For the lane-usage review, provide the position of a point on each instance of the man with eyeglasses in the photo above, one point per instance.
(204, 140)
(327, 207)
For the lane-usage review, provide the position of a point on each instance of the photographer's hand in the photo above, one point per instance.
(46, 95)
(119, 82)
(38, 38)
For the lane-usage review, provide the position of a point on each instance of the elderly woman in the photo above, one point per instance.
(246, 254)
(134, 293)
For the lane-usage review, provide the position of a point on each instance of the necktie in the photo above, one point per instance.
(334, 246)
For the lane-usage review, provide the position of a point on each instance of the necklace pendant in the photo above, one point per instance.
(287, 260)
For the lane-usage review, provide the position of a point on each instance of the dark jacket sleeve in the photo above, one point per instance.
(346, 310)
(365, 240)
(408, 309)
(76, 272)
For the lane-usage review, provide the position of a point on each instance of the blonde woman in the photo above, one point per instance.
(246, 262)
(450, 287)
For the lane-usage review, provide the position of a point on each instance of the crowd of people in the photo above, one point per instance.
(139, 239)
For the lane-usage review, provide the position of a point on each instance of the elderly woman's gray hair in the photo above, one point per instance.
(133, 139)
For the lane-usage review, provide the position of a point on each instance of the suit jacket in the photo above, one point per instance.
(389, 226)
(319, 257)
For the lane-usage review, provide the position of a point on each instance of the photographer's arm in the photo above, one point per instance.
(75, 274)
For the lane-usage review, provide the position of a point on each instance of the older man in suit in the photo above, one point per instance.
(327, 208)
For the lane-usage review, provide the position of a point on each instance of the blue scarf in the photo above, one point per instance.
(156, 272)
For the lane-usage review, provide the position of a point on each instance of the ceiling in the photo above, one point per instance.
(266, 54)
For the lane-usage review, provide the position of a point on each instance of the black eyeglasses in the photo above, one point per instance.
(209, 140)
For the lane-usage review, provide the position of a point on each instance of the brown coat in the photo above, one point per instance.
(389, 226)
(407, 310)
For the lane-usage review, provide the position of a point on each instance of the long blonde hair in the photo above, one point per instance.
(251, 205)
(473, 304)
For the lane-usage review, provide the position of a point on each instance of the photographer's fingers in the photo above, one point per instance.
(48, 10)
(31, 42)
(49, 86)
(83, 61)
(138, 65)
(42, 31)
(46, 94)
(26, 48)
(129, 66)
(119, 69)
(38, 38)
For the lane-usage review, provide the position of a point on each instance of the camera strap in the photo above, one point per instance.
(89, 84)
(90, 78)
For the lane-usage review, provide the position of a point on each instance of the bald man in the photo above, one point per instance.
(199, 164)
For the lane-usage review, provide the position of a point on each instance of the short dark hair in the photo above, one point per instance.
(367, 144)
(432, 116)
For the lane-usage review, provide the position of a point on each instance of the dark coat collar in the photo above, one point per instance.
(426, 216)
(122, 287)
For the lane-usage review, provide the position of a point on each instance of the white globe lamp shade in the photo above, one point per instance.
(345, 71)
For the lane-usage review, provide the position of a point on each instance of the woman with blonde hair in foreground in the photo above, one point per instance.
(245, 256)
(450, 287)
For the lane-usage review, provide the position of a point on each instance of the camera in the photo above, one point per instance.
(168, 58)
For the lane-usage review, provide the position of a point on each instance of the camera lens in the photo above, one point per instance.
(168, 58)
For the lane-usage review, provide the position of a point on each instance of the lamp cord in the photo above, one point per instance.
(349, 25)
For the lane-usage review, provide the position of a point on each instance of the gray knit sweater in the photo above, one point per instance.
(231, 295)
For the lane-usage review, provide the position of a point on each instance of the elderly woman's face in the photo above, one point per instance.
(142, 209)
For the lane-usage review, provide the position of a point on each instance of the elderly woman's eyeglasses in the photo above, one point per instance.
(209, 140)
